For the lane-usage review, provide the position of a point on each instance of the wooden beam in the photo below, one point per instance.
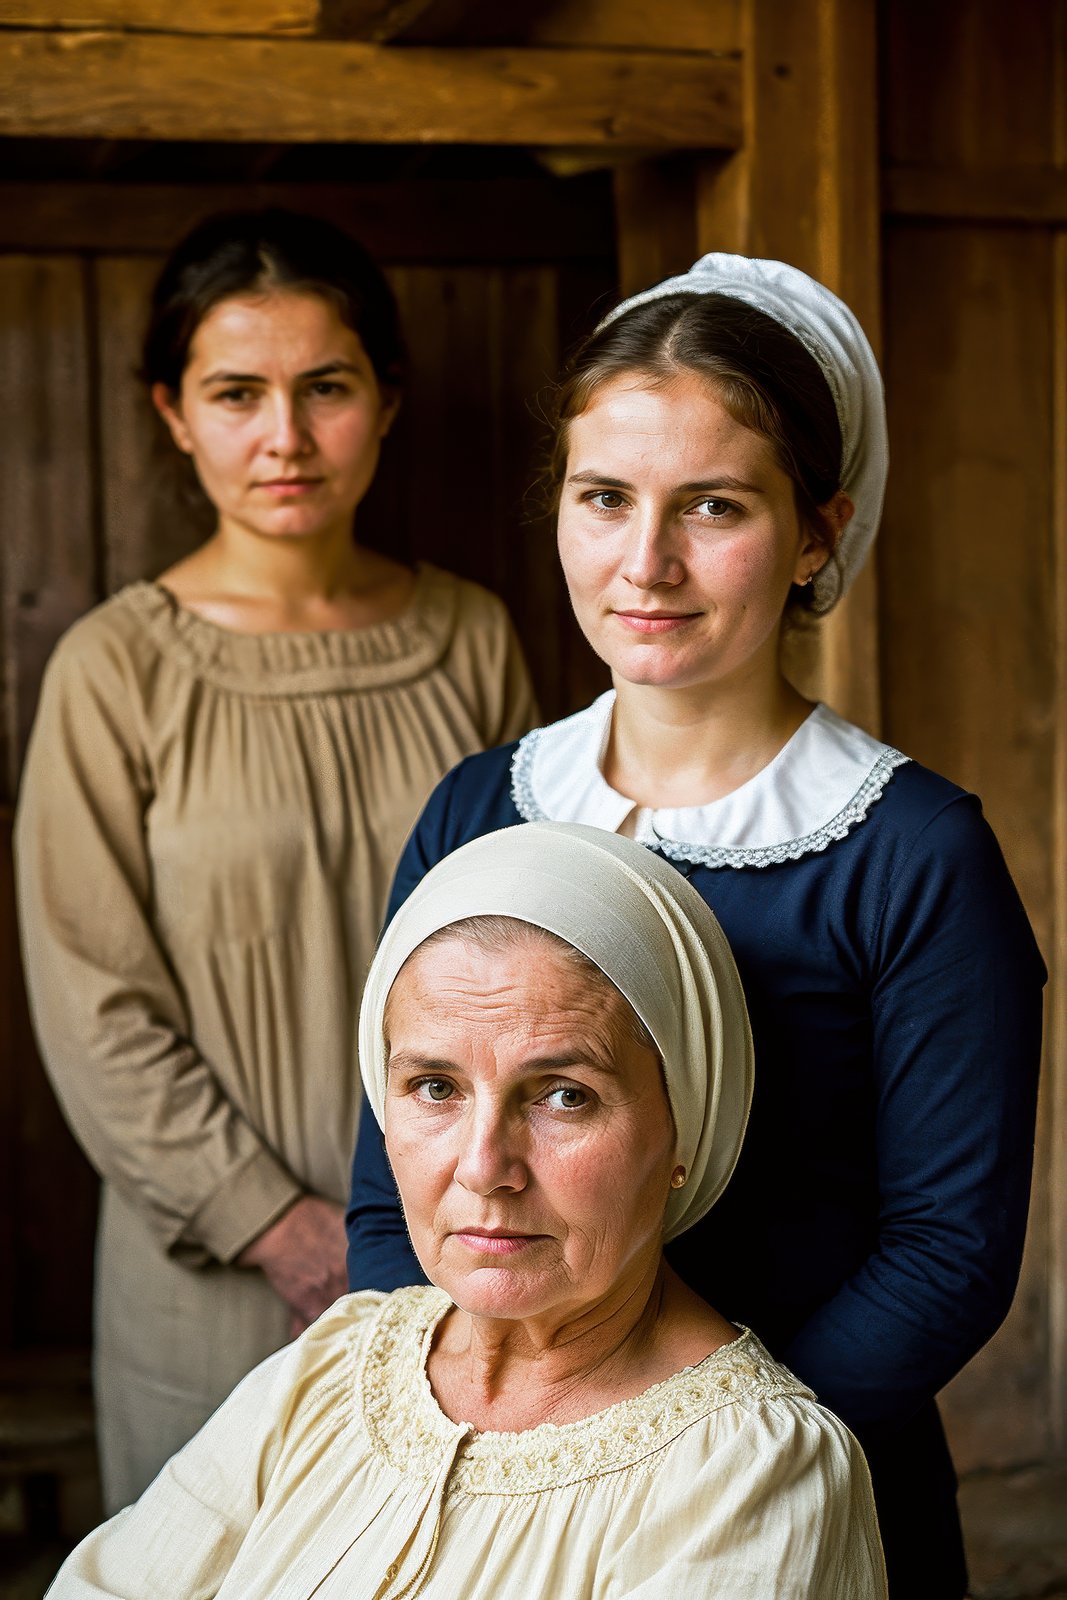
(655, 220)
(400, 223)
(379, 21)
(143, 86)
(804, 189)
(1035, 194)
(270, 17)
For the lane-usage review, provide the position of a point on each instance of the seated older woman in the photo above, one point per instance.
(554, 1036)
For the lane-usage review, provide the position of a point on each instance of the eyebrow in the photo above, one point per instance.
(707, 486)
(411, 1061)
(324, 371)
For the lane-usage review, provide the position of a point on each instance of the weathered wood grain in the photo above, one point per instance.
(143, 86)
(270, 17)
(416, 221)
(804, 188)
(1056, 1076)
(1035, 194)
(379, 21)
(712, 25)
(47, 490)
(968, 639)
(656, 225)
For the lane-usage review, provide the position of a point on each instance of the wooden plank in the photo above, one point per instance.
(275, 17)
(141, 86)
(968, 645)
(655, 216)
(1033, 194)
(1056, 1079)
(967, 85)
(379, 21)
(46, 489)
(414, 221)
(804, 189)
(153, 510)
(711, 25)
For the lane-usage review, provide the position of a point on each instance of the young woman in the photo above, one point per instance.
(721, 464)
(224, 767)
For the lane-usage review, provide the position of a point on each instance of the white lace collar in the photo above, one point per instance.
(819, 786)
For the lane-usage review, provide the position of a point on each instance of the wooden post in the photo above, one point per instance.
(803, 187)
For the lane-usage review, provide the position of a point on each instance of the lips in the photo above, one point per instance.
(655, 621)
(494, 1241)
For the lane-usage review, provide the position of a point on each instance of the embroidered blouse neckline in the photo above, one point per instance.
(407, 1427)
(819, 786)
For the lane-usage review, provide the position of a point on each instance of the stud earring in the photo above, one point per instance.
(678, 1177)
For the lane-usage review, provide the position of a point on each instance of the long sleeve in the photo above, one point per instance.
(107, 1007)
(956, 1011)
(786, 1511)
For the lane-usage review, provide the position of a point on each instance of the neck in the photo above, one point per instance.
(509, 1375)
(688, 747)
(324, 566)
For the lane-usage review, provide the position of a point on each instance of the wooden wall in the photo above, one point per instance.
(972, 566)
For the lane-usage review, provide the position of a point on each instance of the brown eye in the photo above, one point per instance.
(568, 1097)
(436, 1089)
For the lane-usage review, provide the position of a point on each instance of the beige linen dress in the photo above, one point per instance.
(332, 1472)
(206, 833)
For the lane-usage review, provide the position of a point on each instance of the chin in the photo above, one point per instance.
(496, 1292)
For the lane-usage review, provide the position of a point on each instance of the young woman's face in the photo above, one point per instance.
(281, 412)
(679, 535)
(529, 1131)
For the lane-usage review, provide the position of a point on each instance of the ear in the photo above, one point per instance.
(168, 404)
(389, 407)
(815, 551)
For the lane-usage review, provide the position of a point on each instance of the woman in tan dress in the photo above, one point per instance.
(224, 768)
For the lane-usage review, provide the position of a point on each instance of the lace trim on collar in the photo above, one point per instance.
(408, 1428)
(835, 828)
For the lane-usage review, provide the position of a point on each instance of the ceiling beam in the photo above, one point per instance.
(413, 222)
(271, 17)
(151, 86)
(382, 21)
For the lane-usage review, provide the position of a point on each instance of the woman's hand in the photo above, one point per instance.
(303, 1257)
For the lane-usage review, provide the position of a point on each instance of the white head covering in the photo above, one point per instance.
(830, 332)
(646, 928)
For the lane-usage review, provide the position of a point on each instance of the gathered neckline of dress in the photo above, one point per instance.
(407, 1427)
(380, 655)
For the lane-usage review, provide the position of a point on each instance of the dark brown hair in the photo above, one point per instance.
(765, 378)
(242, 252)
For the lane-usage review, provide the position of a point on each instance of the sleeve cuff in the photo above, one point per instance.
(241, 1208)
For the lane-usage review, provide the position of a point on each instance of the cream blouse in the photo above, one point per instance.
(331, 1471)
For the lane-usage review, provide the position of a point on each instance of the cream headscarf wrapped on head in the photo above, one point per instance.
(646, 928)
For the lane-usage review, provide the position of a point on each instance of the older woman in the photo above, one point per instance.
(720, 469)
(554, 1035)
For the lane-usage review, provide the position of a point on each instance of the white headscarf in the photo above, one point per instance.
(830, 332)
(646, 928)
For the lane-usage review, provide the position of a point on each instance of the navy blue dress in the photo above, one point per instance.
(873, 1230)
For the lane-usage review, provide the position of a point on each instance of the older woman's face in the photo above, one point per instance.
(528, 1130)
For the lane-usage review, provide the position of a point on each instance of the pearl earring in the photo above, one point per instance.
(678, 1177)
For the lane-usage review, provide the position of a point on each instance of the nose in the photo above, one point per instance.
(490, 1158)
(288, 435)
(651, 557)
